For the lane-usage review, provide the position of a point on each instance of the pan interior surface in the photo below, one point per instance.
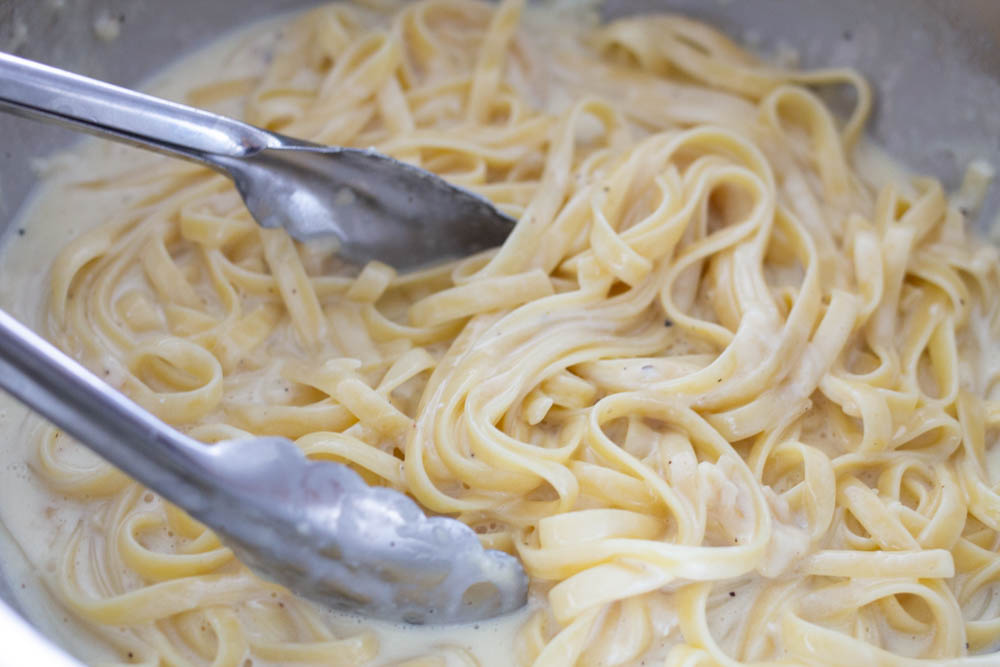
(933, 66)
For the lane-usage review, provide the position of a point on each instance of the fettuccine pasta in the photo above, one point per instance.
(727, 391)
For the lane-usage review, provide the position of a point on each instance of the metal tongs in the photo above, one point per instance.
(314, 527)
(375, 206)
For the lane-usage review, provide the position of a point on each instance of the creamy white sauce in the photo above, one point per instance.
(32, 516)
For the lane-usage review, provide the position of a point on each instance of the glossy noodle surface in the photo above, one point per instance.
(728, 390)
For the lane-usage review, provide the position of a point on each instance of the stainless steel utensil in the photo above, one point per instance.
(376, 207)
(313, 526)
(935, 65)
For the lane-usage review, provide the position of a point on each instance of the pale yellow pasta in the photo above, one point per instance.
(727, 400)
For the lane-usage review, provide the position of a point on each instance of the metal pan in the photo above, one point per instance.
(935, 65)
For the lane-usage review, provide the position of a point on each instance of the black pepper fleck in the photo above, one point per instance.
(732, 594)
(668, 323)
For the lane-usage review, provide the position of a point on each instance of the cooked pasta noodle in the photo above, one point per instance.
(726, 392)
